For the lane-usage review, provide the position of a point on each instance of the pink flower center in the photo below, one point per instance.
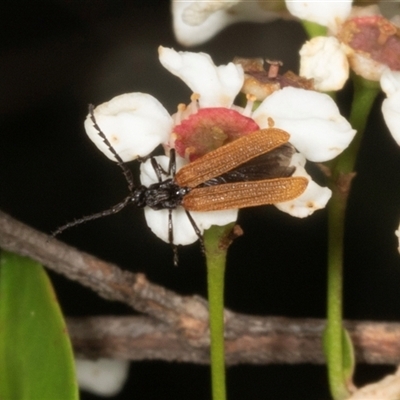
(209, 129)
(376, 36)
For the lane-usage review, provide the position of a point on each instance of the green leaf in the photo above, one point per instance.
(348, 358)
(36, 359)
(341, 362)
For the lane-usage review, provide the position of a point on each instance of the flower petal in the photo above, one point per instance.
(134, 123)
(104, 377)
(314, 198)
(397, 233)
(390, 83)
(313, 120)
(217, 86)
(324, 59)
(391, 114)
(330, 13)
(183, 231)
(195, 22)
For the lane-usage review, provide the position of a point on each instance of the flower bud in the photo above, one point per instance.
(324, 59)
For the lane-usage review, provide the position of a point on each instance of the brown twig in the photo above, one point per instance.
(176, 327)
(186, 314)
(250, 340)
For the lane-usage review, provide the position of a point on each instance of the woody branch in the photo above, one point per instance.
(176, 327)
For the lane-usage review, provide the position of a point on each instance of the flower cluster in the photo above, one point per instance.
(359, 38)
(196, 22)
(362, 40)
(136, 123)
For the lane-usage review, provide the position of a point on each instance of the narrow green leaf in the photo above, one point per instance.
(340, 365)
(36, 359)
(348, 358)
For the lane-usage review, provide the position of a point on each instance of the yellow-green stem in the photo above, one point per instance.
(364, 96)
(216, 258)
(333, 334)
(313, 29)
(337, 349)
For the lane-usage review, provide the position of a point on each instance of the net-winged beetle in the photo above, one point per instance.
(250, 171)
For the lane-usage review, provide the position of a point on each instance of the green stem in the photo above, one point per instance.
(216, 258)
(338, 349)
(333, 333)
(313, 29)
(364, 96)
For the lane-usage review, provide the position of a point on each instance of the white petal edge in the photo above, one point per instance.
(397, 233)
(103, 377)
(183, 231)
(195, 22)
(390, 82)
(217, 86)
(134, 123)
(329, 13)
(388, 388)
(314, 198)
(324, 59)
(312, 119)
(391, 115)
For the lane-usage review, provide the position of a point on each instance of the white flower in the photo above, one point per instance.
(316, 127)
(103, 377)
(197, 21)
(217, 86)
(329, 13)
(312, 119)
(157, 220)
(134, 123)
(371, 42)
(390, 84)
(388, 388)
(368, 40)
(397, 233)
(318, 132)
(314, 198)
(324, 60)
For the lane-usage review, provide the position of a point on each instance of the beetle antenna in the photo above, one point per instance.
(113, 210)
(121, 164)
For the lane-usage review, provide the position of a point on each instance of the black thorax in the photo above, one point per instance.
(161, 195)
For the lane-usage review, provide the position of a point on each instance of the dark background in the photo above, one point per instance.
(59, 56)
